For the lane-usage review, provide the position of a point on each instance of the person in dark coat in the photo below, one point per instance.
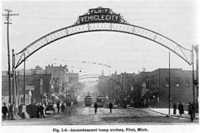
(181, 108)
(191, 111)
(38, 110)
(189, 108)
(4, 111)
(110, 107)
(41, 111)
(95, 107)
(62, 107)
(174, 108)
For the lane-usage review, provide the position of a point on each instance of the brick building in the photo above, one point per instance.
(37, 85)
(158, 81)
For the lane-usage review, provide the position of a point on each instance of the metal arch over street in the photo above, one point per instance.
(103, 21)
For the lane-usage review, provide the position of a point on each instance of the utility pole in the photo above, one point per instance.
(193, 79)
(196, 48)
(24, 78)
(159, 87)
(7, 15)
(16, 85)
(13, 77)
(169, 86)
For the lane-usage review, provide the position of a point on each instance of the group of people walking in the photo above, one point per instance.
(34, 110)
(61, 107)
(8, 111)
(180, 107)
(110, 105)
(12, 112)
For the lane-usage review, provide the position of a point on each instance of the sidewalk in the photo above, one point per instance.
(165, 111)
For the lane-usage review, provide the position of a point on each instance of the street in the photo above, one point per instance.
(81, 115)
(100, 66)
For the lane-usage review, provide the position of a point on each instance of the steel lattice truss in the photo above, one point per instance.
(51, 37)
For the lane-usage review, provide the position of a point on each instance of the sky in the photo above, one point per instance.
(176, 19)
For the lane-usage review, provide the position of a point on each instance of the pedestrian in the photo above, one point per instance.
(38, 110)
(10, 114)
(4, 111)
(95, 107)
(174, 108)
(58, 106)
(110, 106)
(191, 111)
(181, 109)
(62, 107)
(189, 108)
(41, 111)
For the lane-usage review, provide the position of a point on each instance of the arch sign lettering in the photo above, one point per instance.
(100, 15)
(103, 19)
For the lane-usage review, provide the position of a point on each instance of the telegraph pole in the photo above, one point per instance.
(13, 76)
(159, 87)
(7, 15)
(169, 86)
(193, 79)
(196, 49)
(24, 78)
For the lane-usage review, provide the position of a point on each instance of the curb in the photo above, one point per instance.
(175, 116)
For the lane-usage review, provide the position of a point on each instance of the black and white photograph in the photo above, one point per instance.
(98, 63)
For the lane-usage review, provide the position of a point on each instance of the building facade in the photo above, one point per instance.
(36, 87)
(157, 86)
(148, 88)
